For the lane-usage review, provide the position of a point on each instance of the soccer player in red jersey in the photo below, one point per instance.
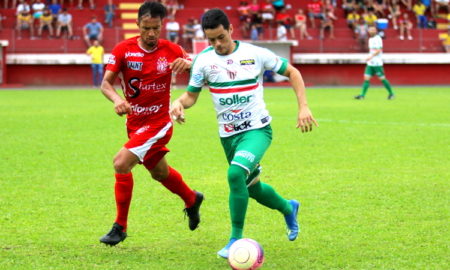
(144, 65)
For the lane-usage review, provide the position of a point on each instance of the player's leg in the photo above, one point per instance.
(368, 73)
(387, 85)
(124, 161)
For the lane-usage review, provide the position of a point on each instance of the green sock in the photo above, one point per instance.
(388, 86)
(238, 199)
(267, 196)
(365, 86)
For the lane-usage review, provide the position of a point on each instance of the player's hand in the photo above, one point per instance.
(306, 120)
(180, 65)
(177, 112)
(122, 107)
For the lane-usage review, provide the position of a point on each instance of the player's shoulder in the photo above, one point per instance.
(127, 43)
(168, 45)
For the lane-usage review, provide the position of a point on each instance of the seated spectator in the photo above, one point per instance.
(93, 31)
(379, 6)
(278, 5)
(23, 6)
(419, 9)
(328, 6)
(55, 8)
(13, 4)
(244, 18)
(353, 19)
(45, 22)
(172, 6)
(257, 22)
(286, 20)
(172, 29)
(254, 7)
(91, 4)
(110, 11)
(64, 23)
(24, 22)
(281, 32)
(361, 33)
(446, 41)
(348, 6)
(407, 4)
(38, 9)
(267, 12)
(405, 26)
(394, 13)
(198, 30)
(300, 23)
(327, 23)
(370, 17)
(254, 35)
(189, 32)
(315, 11)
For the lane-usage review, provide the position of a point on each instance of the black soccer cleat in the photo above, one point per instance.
(359, 97)
(193, 212)
(115, 236)
(390, 97)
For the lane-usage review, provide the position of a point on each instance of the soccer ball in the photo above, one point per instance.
(246, 254)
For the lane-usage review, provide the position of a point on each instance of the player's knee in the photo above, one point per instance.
(159, 175)
(121, 166)
(236, 178)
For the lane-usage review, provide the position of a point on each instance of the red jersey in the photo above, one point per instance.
(145, 78)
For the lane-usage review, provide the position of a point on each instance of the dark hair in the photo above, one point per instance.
(152, 9)
(215, 17)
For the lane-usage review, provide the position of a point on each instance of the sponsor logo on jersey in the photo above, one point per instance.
(245, 154)
(132, 90)
(231, 74)
(236, 115)
(145, 110)
(112, 60)
(155, 87)
(229, 61)
(265, 119)
(135, 65)
(162, 65)
(142, 129)
(213, 67)
(235, 99)
(197, 78)
(238, 127)
(133, 54)
(247, 62)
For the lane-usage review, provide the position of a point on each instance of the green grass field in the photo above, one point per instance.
(373, 180)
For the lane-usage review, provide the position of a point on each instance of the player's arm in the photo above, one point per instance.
(121, 106)
(305, 119)
(185, 101)
(375, 53)
(180, 65)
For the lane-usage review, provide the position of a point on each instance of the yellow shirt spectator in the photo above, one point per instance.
(24, 18)
(96, 53)
(419, 9)
(353, 17)
(370, 19)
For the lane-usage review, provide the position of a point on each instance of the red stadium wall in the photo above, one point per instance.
(314, 74)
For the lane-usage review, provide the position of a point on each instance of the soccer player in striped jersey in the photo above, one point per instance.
(233, 71)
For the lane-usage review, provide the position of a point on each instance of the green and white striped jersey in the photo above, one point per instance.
(375, 43)
(236, 85)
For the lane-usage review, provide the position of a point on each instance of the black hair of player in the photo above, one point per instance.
(215, 17)
(152, 9)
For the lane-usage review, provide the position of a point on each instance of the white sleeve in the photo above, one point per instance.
(197, 77)
(271, 61)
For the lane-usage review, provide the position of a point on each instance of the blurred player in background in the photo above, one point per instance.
(144, 65)
(233, 71)
(375, 64)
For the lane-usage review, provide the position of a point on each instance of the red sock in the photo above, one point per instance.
(175, 184)
(123, 191)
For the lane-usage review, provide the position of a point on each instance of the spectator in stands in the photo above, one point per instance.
(254, 7)
(91, 4)
(38, 9)
(353, 19)
(55, 8)
(394, 12)
(23, 6)
(244, 18)
(64, 23)
(24, 22)
(257, 22)
(281, 31)
(419, 9)
(286, 20)
(93, 31)
(348, 6)
(405, 26)
(172, 30)
(407, 4)
(370, 17)
(13, 4)
(446, 41)
(254, 35)
(362, 33)
(110, 11)
(379, 6)
(171, 6)
(328, 6)
(300, 23)
(198, 30)
(438, 4)
(278, 5)
(315, 11)
(45, 22)
(189, 34)
(267, 12)
(327, 24)
(96, 53)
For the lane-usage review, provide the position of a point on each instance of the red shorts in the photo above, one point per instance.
(148, 143)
